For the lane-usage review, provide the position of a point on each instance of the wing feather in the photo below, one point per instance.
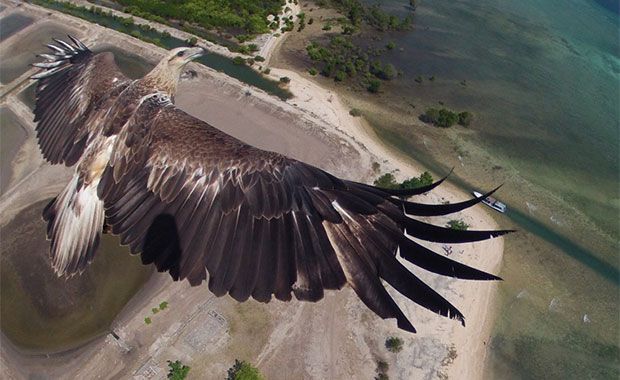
(259, 224)
(72, 88)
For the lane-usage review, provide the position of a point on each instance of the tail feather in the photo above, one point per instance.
(75, 219)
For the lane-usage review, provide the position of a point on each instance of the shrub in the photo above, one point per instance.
(312, 71)
(443, 118)
(177, 370)
(147, 320)
(239, 60)
(192, 41)
(355, 112)
(163, 305)
(382, 366)
(340, 76)
(259, 58)
(386, 181)
(374, 85)
(267, 71)
(390, 45)
(465, 118)
(394, 344)
(242, 370)
(155, 310)
(424, 179)
(458, 225)
(285, 80)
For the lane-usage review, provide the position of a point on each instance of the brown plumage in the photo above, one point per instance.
(203, 205)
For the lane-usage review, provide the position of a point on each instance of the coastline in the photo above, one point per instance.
(322, 114)
(471, 341)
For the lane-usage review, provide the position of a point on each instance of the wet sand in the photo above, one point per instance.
(42, 313)
(12, 24)
(19, 54)
(12, 136)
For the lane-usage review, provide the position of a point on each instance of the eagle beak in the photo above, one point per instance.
(195, 52)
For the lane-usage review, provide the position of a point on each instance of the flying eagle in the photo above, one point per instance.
(201, 204)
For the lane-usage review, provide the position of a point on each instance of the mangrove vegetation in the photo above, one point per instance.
(341, 59)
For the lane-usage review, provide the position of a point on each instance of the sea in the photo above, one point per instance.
(542, 78)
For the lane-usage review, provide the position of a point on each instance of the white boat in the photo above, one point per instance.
(491, 202)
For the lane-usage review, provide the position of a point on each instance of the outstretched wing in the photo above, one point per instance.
(193, 200)
(72, 96)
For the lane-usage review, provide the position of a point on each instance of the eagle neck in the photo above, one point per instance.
(163, 79)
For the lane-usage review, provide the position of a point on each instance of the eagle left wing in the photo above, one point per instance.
(192, 199)
(71, 98)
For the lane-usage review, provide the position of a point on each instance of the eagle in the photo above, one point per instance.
(204, 206)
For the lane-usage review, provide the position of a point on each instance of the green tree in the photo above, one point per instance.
(242, 370)
(443, 118)
(177, 370)
(386, 181)
(456, 224)
(394, 344)
(374, 85)
(424, 179)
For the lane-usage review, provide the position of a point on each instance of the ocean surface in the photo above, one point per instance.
(543, 81)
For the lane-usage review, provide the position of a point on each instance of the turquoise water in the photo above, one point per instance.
(542, 79)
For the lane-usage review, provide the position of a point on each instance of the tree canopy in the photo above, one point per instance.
(232, 15)
(388, 181)
(177, 370)
(242, 370)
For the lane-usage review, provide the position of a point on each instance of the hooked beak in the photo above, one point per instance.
(195, 52)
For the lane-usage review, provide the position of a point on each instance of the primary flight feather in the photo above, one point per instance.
(203, 205)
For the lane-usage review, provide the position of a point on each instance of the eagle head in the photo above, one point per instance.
(179, 57)
(165, 76)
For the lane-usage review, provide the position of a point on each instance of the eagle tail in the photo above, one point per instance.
(74, 223)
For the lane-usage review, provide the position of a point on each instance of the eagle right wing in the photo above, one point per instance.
(193, 200)
(74, 91)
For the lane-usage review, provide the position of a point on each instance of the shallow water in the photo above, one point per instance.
(12, 24)
(132, 65)
(542, 79)
(12, 136)
(43, 313)
(16, 59)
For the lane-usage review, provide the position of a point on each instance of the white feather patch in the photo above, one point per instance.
(78, 220)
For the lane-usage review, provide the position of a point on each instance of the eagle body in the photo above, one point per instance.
(204, 206)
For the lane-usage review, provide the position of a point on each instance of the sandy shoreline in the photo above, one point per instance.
(314, 126)
(470, 342)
